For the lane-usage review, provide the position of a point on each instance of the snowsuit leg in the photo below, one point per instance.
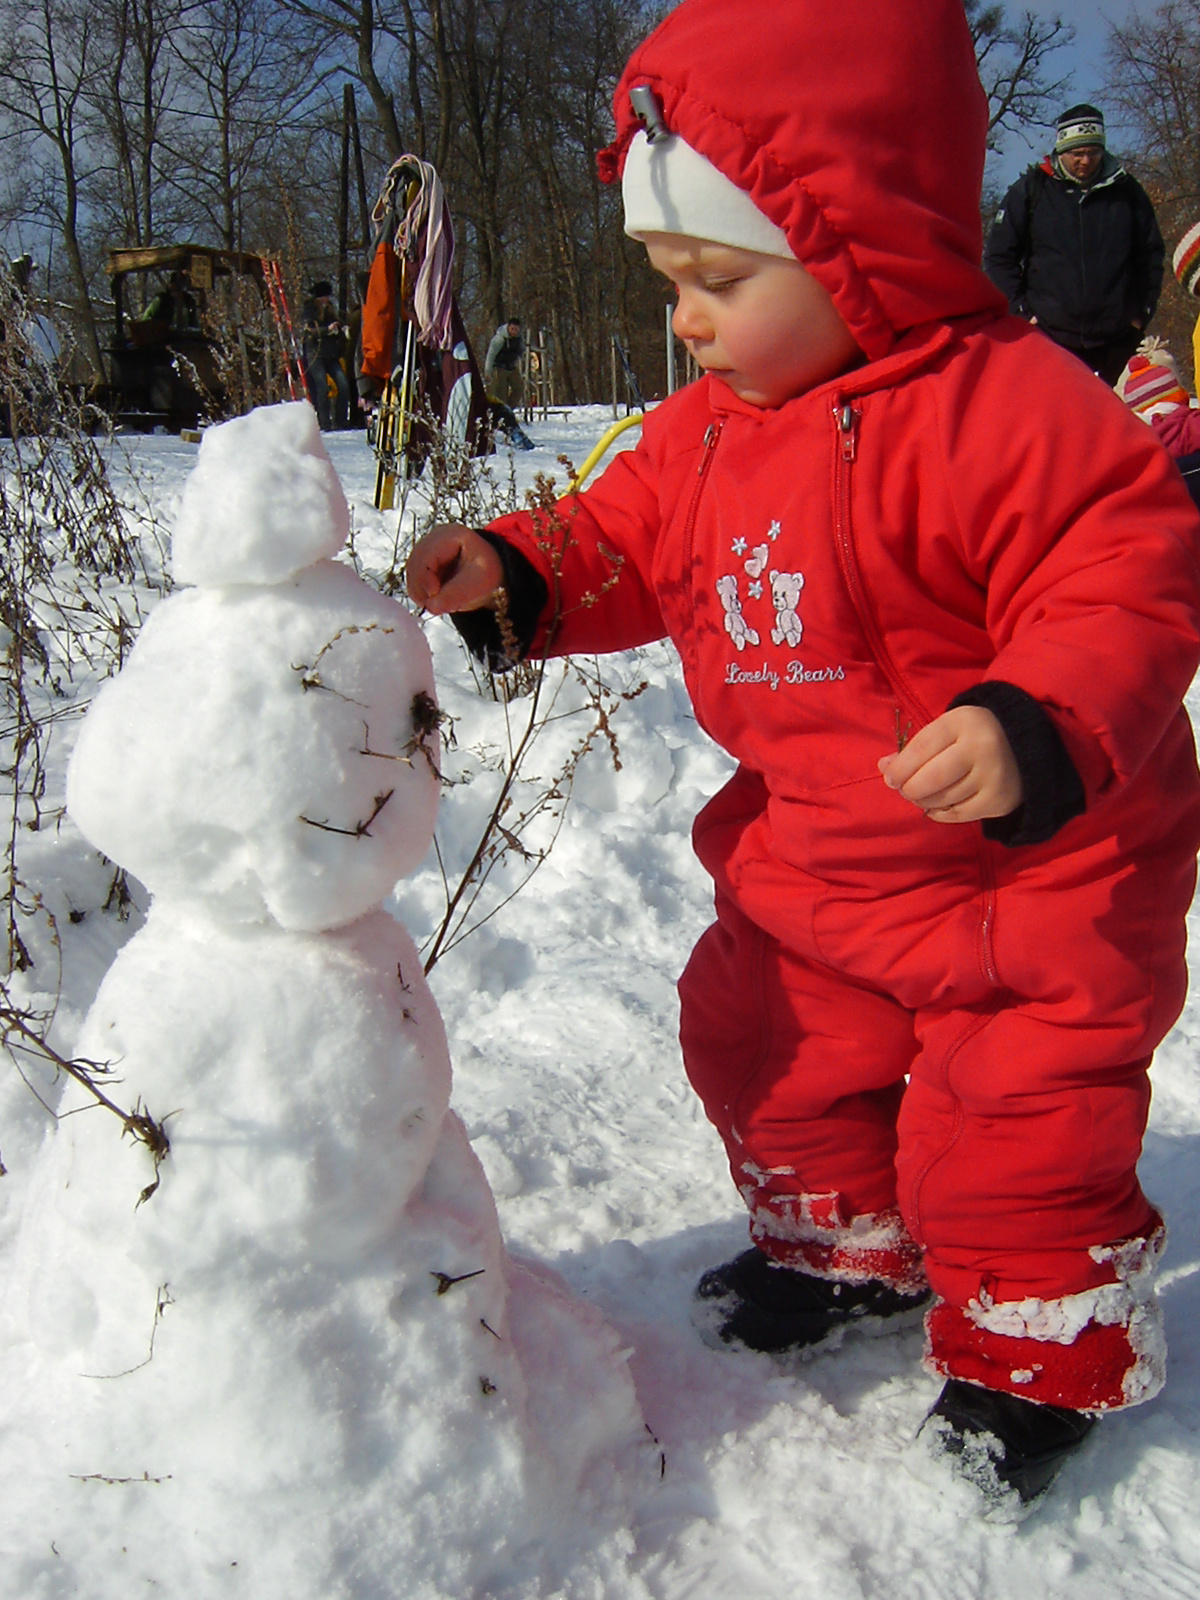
(1018, 1146)
(802, 1073)
(1016, 1143)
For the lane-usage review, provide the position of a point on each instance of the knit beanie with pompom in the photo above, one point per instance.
(1148, 384)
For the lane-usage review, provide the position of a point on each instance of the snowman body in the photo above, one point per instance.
(294, 1352)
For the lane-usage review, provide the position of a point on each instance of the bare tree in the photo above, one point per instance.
(49, 58)
(578, 274)
(1154, 81)
(132, 101)
(369, 37)
(1013, 61)
(511, 100)
(244, 85)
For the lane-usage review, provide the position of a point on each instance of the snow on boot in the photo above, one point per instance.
(754, 1302)
(1008, 1448)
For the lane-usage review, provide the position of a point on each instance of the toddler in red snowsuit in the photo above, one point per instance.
(936, 590)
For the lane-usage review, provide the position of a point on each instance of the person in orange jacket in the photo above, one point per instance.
(936, 591)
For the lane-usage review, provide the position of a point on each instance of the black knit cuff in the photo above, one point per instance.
(1052, 789)
(526, 593)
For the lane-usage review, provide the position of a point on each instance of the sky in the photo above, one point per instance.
(1083, 60)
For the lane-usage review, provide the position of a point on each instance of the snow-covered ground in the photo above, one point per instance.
(561, 1017)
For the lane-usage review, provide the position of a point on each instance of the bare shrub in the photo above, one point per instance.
(69, 612)
(528, 800)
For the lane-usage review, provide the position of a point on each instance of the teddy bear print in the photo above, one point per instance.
(736, 626)
(785, 592)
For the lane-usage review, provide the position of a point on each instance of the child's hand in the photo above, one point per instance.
(960, 768)
(453, 569)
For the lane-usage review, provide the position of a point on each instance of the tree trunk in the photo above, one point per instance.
(385, 106)
(91, 337)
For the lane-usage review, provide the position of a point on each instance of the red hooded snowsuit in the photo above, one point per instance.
(969, 505)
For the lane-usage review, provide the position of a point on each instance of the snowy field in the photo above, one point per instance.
(561, 1019)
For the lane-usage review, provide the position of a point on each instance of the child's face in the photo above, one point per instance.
(761, 324)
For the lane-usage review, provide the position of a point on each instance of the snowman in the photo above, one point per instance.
(291, 1352)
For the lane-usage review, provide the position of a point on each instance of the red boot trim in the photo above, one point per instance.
(806, 1231)
(1095, 1351)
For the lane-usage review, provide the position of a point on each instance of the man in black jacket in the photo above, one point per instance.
(1077, 250)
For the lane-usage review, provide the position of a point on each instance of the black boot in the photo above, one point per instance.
(753, 1302)
(1001, 1443)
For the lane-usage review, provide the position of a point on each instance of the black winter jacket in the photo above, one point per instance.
(322, 335)
(1086, 264)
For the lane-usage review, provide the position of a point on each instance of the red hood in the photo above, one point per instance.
(856, 127)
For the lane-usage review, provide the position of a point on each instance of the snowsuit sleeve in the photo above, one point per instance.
(1178, 431)
(1007, 246)
(1091, 577)
(595, 552)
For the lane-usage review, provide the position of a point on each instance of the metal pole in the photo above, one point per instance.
(344, 211)
(670, 351)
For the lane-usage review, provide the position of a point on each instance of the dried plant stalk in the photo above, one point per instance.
(69, 571)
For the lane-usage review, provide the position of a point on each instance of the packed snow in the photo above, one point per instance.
(319, 1425)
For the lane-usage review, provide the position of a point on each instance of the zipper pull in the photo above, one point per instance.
(711, 434)
(847, 421)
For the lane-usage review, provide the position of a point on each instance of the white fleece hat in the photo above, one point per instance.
(670, 188)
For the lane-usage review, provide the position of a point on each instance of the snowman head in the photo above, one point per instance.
(262, 502)
(270, 747)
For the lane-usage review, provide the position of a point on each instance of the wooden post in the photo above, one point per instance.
(364, 215)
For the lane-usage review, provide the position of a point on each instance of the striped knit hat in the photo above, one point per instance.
(1186, 260)
(1081, 125)
(1147, 384)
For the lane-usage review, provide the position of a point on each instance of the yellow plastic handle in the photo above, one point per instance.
(618, 428)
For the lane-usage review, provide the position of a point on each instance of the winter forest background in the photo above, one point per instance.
(220, 122)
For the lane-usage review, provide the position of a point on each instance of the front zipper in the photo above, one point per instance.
(846, 420)
(711, 434)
